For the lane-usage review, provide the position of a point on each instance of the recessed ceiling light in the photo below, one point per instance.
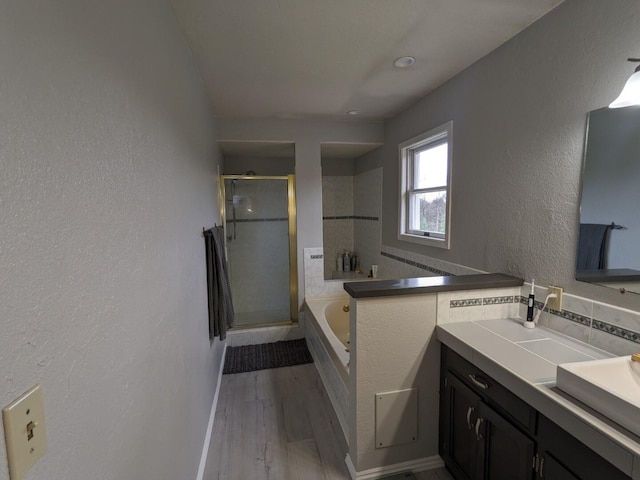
(404, 62)
(353, 112)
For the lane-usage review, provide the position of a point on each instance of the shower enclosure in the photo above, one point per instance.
(259, 217)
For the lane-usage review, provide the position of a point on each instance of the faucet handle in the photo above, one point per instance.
(635, 357)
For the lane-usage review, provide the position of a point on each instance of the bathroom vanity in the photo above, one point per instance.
(487, 432)
(501, 416)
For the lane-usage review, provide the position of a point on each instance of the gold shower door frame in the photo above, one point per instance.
(293, 237)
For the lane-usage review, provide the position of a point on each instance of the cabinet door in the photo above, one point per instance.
(459, 414)
(560, 450)
(505, 452)
(551, 469)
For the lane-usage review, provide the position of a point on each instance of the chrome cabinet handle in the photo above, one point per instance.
(469, 412)
(478, 423)
(542, 468)
(478, 383)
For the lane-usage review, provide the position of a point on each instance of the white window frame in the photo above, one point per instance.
(405, 154)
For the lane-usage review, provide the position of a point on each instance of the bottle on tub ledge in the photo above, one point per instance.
(347, 261)
(373, 273)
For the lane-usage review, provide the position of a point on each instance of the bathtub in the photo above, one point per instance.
(327, 333)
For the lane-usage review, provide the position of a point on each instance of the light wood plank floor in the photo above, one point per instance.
(278, 424)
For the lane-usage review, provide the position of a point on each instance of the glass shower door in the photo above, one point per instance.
(260, 240)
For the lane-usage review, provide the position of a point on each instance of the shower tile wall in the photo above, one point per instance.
(259, 253)
(338, 222)
(367, 202)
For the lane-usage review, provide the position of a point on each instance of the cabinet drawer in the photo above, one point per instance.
(490, 390)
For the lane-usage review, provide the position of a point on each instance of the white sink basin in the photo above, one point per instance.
(610, 386)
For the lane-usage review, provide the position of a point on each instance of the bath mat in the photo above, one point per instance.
(248, 358)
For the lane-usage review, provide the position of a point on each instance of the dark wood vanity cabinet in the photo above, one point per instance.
(476, 441)
(487, 433)
(561, 456)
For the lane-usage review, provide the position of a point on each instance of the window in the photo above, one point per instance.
(425, 189)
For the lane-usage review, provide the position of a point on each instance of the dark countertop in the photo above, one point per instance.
(608, 275)
(424, 285)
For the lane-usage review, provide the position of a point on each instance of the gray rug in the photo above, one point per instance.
(248, 358)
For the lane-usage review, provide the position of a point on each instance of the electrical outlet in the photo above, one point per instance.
(555, 303)
(24, 432)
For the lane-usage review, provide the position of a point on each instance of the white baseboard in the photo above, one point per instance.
(418, 465)
(212, 415)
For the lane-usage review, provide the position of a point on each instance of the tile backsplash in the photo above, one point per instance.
(467, 305)
(614, 329)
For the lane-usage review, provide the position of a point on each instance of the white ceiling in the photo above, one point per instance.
(318, 59)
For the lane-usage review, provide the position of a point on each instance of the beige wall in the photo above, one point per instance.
(395, 348)
(519, 123)
(108, 174)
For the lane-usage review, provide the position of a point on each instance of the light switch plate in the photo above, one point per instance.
(24, 432)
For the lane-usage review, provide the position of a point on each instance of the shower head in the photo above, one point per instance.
(249, 173)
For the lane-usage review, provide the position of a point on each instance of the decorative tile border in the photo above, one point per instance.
(616, 331)
(350, 217)
(574, 317)
(566, 314)
(498, 300)
(251, 220)
(416, 264)
(466, 302)
(478, 302)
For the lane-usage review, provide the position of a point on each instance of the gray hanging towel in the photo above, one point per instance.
(221, 314)
(592, 246)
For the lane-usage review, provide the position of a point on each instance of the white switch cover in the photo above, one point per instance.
(24, 432)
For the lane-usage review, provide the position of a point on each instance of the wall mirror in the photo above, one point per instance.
(608, 252)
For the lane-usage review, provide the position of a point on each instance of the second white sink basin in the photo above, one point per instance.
(610, 386)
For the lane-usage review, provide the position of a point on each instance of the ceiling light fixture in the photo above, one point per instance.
(630, 94)
(404, 62)
(353, 112)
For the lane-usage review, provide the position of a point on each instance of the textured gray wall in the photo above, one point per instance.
(519, 123)
(109, 173)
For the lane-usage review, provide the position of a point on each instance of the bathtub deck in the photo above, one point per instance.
(279, 424)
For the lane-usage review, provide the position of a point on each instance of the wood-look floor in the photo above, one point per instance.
(278, 424)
